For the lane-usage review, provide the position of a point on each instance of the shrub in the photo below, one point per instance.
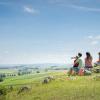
(19, 73)
(38, 72)
(1, 79)
(48, 79)
(97, 78)
(96, 69)
(3, 90)
(10, 88)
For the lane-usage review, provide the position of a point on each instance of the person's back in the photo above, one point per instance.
(81, 69)
(88, 61)
(80, 60)
(80, 63)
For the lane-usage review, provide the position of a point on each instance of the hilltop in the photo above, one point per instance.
(62, 88)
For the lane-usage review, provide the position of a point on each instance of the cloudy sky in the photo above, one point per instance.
(48, 31)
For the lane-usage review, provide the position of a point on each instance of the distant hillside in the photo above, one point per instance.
(41, 66)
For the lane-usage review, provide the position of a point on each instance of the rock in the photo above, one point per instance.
(23, 89)
(45, 81)
(51, 78)
(48, 79)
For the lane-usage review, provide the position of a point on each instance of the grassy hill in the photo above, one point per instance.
(62, 88)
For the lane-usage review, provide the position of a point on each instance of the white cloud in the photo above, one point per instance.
(85, 8)
(75, 5)
(30, 10)
(97, 37)
(94, 42)
(90, 37)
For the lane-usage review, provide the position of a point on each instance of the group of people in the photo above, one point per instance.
(79, 68)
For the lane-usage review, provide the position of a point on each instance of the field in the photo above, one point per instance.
(7, 71)
(62, 88)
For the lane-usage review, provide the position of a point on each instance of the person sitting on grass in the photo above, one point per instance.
(80, 61)
(77, 65)
(88, 66)
(88, 61)
(74, 69)
(81, 69)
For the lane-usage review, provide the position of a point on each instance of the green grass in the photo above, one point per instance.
(63, 88)
(7, 71)
(27, 79)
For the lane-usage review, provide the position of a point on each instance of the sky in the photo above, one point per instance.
(48, 31)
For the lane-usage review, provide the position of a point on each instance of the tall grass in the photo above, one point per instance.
(62, 88)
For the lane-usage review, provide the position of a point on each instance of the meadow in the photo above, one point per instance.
(62, 88)
(7, 71)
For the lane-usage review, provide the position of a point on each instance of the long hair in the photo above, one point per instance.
(88, 55)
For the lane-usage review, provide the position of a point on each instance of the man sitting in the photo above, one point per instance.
(76, 66)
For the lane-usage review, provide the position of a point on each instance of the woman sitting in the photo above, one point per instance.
(88, 61)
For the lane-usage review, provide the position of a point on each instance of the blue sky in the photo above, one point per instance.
(48, 31)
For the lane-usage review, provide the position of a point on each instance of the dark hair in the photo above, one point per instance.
(79, 54)
(99, 53)
(88, 55)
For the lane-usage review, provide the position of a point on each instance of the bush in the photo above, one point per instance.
(10, 88)
(19, 73)
(96, 69)
(1, 79)
(97, 78)
(37, 71)
(3, 90)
